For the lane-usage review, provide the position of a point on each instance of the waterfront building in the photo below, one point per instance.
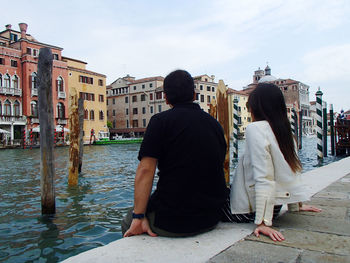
(132, 102)
(244, 117)
(205, 88)
(91, 87)
(296, 95)
(19, 53)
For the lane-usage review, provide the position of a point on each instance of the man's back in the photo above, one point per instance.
(190, 147)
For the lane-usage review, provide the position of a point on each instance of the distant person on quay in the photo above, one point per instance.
(268, 173)
(188, 147)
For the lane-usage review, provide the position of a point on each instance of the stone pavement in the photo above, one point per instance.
(309, 237)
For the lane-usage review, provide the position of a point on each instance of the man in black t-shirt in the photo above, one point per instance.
(189, 147)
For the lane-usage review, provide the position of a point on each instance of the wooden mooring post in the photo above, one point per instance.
(81, 131)
(220, 112)
(47, 171)
(331, 122)
(73, 140)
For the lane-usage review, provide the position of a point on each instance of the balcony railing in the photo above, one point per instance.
(34, 92)
(61, 95)
(61, 121)
(10, 119)
(10, 91)
(34, 120)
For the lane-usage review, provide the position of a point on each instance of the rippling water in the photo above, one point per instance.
(87, 216)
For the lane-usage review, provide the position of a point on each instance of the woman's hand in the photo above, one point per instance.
(268, 231)
(309, 208)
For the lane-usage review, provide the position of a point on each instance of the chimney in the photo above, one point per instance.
(8, 26)
(23, 27)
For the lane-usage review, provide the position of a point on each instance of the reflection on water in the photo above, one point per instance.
(87, 216)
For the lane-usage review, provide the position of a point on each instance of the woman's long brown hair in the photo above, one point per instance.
(266, 102)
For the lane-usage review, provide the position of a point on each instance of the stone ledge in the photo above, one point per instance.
(221, 242)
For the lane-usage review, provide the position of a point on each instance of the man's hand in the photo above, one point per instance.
(268, 231)
(138, 227)
(309, 208)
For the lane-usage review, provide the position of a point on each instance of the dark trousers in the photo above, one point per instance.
(126, 222)
(227, 216)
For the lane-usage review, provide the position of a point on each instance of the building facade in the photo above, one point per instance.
(296, 95)
(19, 53)
(132, 102)
(91, 87)
(205, 88)
(244, 117)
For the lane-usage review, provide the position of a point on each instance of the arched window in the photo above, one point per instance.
(86, 114)
(34, 108)
(60, 110)
(7, 81)
(114, 124)
(59, 84)
(7, 108)
(16, 107)
(34, 83)
(92, 115)
(15, 82)
(101, 115)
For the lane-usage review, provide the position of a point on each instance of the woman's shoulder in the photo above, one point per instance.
(260, 126)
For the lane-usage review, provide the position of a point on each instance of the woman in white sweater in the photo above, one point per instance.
(268, 174)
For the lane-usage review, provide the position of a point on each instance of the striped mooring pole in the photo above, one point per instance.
(331, 120)
(235, 129)
(325, 125)
(292, 122)
(319, 124)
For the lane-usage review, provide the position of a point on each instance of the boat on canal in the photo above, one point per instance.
(104, 138)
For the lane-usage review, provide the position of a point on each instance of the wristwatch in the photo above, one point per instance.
(137, 216)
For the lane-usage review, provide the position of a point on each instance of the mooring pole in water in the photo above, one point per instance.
(300, 128)
(223, 118)
(81, 128)
(235, 129)
(292, 121)
(47, 170)
(325, 130)
(319, 124)
(73, 140)
(331, 120)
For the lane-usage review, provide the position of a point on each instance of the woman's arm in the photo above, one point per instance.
(262, 168)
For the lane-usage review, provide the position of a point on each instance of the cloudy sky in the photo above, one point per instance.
(304, 40)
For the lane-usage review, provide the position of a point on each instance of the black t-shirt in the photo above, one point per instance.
(190, 147)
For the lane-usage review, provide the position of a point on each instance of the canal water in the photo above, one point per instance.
(87, 216)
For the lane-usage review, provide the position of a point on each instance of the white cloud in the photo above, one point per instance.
(328, 63)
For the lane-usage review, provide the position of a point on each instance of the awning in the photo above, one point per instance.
(36, 129)
(59, 129)
(4, 131)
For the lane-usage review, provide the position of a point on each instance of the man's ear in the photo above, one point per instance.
(166, 99)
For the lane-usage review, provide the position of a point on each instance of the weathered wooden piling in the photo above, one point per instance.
(325, 148)
(222, 116)
(73, 140)
(300, 129)
(47, 170)
(331, 122)
(81, 129)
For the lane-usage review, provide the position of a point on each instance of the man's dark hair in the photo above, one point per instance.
(179, 87)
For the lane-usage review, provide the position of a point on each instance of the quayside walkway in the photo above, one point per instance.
(310, 237)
